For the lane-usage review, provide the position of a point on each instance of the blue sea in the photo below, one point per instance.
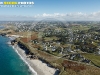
(10, 62)
(2, 27)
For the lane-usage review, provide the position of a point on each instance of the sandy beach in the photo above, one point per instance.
(35, 65)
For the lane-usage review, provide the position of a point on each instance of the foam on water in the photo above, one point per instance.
(25, 61)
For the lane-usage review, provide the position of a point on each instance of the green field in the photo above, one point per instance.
(94, 58)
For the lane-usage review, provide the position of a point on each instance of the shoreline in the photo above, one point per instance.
(32, 70)
(35, 65)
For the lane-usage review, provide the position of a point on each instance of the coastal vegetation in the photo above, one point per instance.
(73, 49)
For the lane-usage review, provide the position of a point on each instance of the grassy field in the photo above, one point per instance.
(50, 38)
(80, 27)
(94, 58)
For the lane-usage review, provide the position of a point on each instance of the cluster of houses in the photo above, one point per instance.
(83, 41)
(65, 51)
(77, 57)
(52, 46)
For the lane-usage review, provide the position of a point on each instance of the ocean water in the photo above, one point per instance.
(10, 62)
(2, 27)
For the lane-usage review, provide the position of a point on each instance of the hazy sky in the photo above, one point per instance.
(63, 9)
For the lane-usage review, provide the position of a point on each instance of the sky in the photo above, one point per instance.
(60, 9)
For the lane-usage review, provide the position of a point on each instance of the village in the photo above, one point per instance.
(74, 42)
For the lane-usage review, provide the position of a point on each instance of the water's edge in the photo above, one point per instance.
(24, 60)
